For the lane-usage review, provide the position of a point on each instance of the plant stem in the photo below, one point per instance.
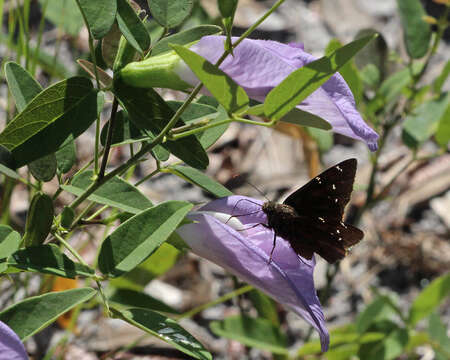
(219, 300)
(109, 137)
(70, 248)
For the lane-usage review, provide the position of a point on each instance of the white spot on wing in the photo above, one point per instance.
(338, 231)
(318, 180)
(334, 187)
(321, 219)
(338, 168)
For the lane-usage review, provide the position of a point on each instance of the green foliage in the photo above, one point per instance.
(100, 15)
(117, 193)
(417, 32)
(42, 128)
(255, 332)
(43, 169)
(131, 27)
(230, 95)
(429, 299)
(63, 109)
(145, 232)
(149, 111)
(164, 328)
(39, 220)
(302, 82)
(198, 178)
(22, 85)
(9, 243)
(184, 37)
(64, 14)
(45, 309)
(170, 13)
(127, 298)
(424, 121)
(48, 259)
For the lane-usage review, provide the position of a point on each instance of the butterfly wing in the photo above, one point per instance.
(328, 239)
(327, 194)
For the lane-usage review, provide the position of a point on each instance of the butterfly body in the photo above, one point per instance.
(311, 218)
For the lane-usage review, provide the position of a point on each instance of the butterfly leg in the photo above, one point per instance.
(273, 247)
(234, 207)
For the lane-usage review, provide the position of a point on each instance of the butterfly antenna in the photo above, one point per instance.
(254, 187)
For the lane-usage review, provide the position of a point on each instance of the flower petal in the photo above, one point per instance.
(287, 278)
(11, 348)
(260, 65)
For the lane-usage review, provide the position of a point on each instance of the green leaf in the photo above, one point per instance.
(9, 243)
(198, 178)
(443, 131)
(379, 309)
(66, 155)
(44, 310)
(165, 329)
(64, 14)
(349, 72)
(39, 220)
(265, 306)
(442, 78)
(391, 88)
(295, 116)
(149, 111)
(197, 112)
(132, 27)
(184, 37)
(429, 299)
(143, 233)
(50, 260)
(116, 193)
(125, 132)
(170, 13)
(227, 7)
(304, 81)
(162, 260)
(258, 333)
(340, 337)
(417, 32)
(438, 332)
(135, 299)
(388, 348)
(63, 109)
(424, 121)
(323, 138)
(67, 217)
(44, 168)
(374, 55)
(100, 15)
(229, 94)
(22, 85)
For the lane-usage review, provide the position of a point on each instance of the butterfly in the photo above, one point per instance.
(311, 218)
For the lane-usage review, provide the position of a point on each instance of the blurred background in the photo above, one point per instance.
(406, 223)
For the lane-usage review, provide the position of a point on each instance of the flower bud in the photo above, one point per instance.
(156, 71)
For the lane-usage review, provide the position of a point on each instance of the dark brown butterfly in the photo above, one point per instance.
(311, 218)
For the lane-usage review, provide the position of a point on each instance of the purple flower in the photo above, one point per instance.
(11, 348)
(260, 65)
(244, 249)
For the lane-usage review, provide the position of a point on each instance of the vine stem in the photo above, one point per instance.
(71, 249)
(219, 300)
(111, 124)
